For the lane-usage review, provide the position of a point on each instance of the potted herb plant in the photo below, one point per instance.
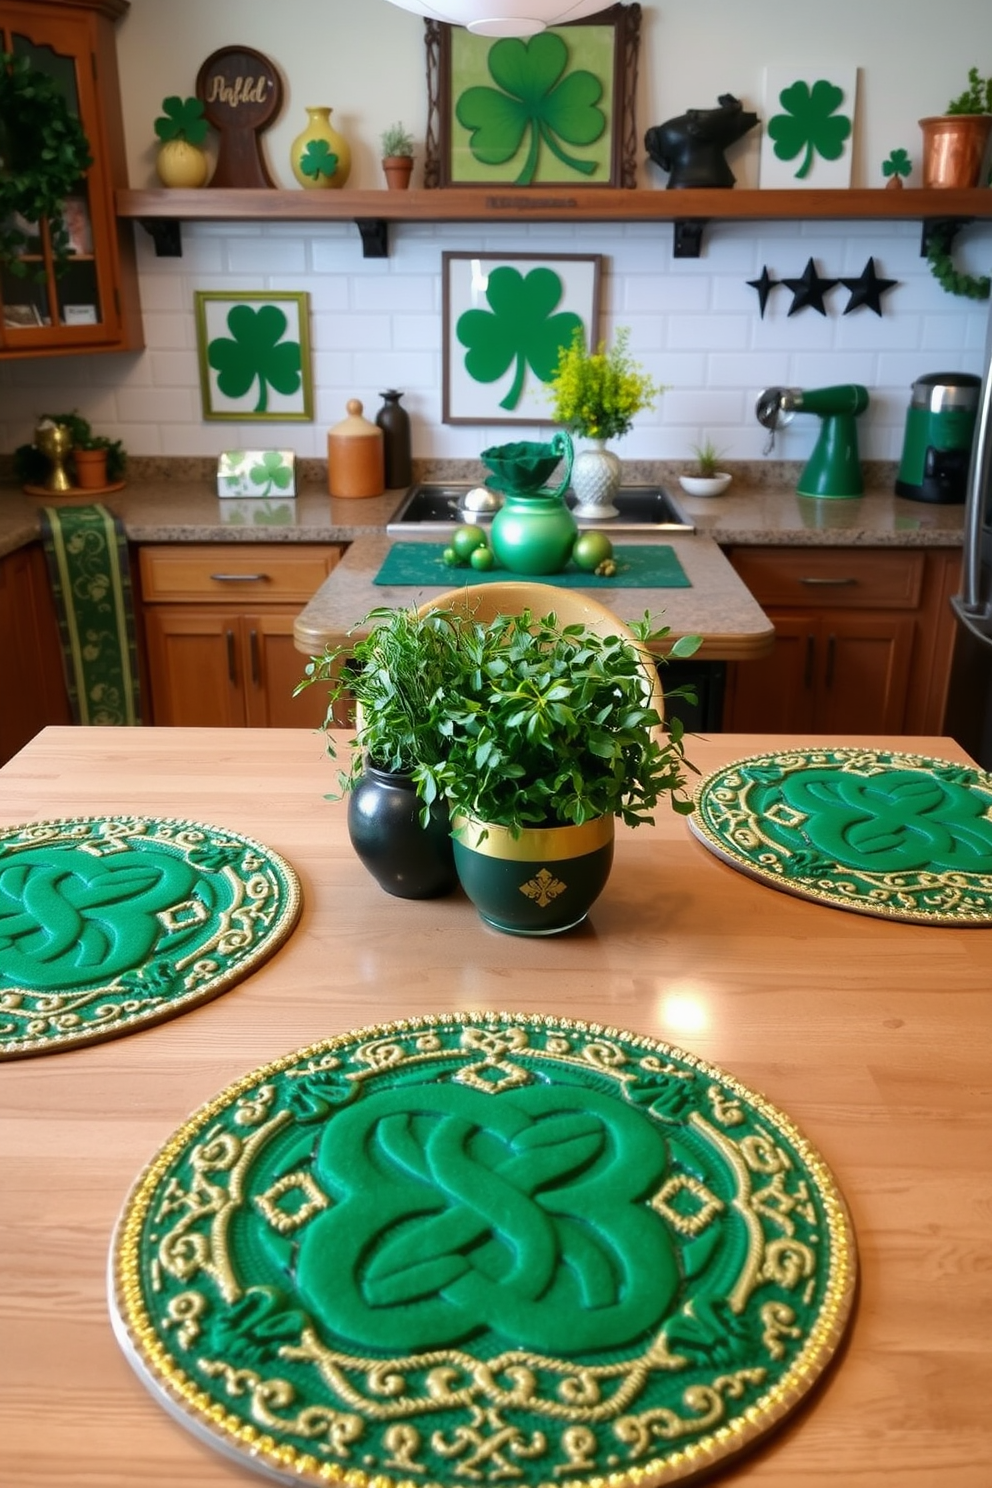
(396, 145)
(182, 129)
(706, 477)
(98, 460)
(536, 732)
(955, 143)
(596, 394)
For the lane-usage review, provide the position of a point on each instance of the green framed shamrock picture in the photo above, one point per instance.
(254, 354)
(809, 127)
(553, 109)
(505, 319)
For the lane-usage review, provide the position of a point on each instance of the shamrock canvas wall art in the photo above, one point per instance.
(254, 355)
(505, 319)
(809, 127)
(552, 109)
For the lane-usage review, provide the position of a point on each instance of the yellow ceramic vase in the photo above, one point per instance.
(181, 164)
(310, 153)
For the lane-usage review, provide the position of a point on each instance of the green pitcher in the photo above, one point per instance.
(533, 532)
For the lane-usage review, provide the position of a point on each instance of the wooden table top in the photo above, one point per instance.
(873, 1036)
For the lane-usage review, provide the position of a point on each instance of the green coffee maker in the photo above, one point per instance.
(834, 467)
(936, 447)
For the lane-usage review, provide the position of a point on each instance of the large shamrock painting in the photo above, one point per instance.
(809, 125)
(505, 320)
(254, 353)
(536, 110)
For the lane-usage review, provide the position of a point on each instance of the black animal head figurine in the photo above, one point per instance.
(691, 147)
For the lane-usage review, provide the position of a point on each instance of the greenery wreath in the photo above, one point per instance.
(43, 153)
(955, 281)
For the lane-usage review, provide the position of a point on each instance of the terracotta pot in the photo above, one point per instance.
(955, 149)
(398, 169)
(91, 468)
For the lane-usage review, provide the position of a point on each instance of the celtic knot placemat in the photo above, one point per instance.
(109, 923)
(877, 831)
(483, 1247)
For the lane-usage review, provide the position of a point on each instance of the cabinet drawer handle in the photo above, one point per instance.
(231, 669)
(239, 578)
(829, 583)
(808, 673)
(253, 655)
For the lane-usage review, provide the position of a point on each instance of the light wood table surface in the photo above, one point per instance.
(873, 1036)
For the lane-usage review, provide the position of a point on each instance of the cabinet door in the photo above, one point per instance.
(89, 303)
(273, 667)
(776, 693)
(32, 679)
(196, 660)
(863, 665)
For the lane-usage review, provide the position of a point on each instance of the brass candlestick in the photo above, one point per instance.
(55, 443)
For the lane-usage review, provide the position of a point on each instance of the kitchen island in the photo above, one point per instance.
(871, 1035)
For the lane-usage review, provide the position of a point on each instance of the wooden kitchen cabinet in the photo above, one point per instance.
(218, 625)
(33, 693)
(92, 305)
(862, 640)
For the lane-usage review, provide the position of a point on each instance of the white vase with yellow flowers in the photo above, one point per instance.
(596, 395)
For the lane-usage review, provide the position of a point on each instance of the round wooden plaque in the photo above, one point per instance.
(241, 93)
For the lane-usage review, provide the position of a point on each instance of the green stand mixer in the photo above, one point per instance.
(833, 469)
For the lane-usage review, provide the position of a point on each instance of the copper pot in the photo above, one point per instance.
(955, 148)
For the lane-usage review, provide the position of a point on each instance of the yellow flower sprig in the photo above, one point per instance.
(596, 394)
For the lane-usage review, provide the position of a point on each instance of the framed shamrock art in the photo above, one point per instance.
(254, 354)
(506, 317)
(556, 109)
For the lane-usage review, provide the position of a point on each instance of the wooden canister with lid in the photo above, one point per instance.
(355, 458)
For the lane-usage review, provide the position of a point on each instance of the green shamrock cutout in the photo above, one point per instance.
(318, 159)
(271, 470)
(810, 123)
(898, 164)
(256, 352)
(519, 326)
(182, 119)
(532, 93)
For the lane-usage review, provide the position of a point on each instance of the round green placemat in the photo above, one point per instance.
(873, 830)
(483, 1247)
(109, 923)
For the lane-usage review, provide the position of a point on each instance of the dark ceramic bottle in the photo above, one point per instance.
(404, 858)
(394, 422)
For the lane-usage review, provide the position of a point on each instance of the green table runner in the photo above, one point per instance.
(86, 551)
(421, 564)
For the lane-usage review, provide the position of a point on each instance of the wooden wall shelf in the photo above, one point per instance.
(162, 211)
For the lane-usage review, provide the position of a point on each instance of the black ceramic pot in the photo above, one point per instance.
(404, 858)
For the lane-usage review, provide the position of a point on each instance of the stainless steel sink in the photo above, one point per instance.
(439, 508)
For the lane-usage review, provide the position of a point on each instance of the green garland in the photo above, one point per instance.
(955, 281)
(43, 154)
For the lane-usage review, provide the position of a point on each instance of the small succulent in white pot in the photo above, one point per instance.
(706, 477)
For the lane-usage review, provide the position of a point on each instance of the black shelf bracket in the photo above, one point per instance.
(375, 236)
(949, 225)
(166, 234)
(687, 237)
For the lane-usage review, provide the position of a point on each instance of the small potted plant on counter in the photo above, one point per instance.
(396, 145)
(99, 462)
(955, 143)
(706, 478)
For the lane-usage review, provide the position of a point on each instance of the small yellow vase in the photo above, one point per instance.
(181, 164)
(319, 129)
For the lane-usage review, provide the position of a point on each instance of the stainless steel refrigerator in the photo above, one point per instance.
(969, 706)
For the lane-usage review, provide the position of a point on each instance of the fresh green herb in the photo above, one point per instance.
(976, 98)
(597, 393)
(708, 459)
(395, 140)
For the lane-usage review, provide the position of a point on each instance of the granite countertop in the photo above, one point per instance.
(175, 501)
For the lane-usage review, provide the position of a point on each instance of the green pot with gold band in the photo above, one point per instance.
(539, 882)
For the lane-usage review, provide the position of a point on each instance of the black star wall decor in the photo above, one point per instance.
(868, 290)
(764, 286)
(808, 290)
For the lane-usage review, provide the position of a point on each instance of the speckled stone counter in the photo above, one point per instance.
(176, 501)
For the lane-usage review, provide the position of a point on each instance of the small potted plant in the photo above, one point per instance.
(955, 143)
(706, 477)
(396, 145)
(182, 130)
(98, 461)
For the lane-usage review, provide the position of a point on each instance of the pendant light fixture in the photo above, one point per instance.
(504, 17)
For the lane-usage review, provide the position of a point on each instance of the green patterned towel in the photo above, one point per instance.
(88, 566)
(638, 567)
